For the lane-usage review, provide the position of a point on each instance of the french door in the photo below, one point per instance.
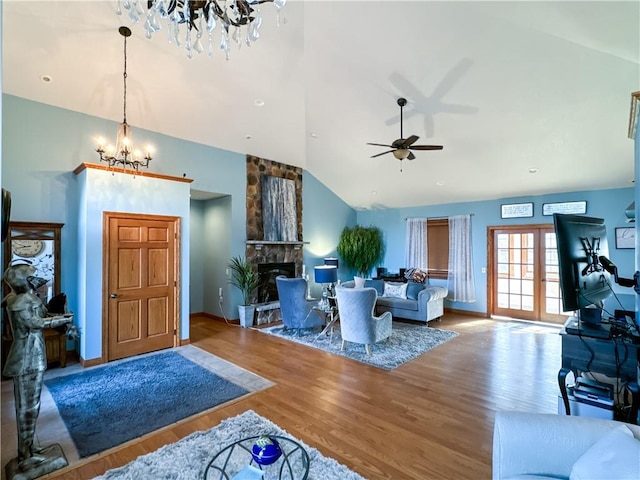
(524, 281)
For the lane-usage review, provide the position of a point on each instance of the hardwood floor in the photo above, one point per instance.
(430, 418)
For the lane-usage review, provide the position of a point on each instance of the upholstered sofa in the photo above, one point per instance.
(548, 446)
(422, 303)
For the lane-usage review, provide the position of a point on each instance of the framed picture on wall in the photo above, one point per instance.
(564, 207)
(625, 237)
(516, 210)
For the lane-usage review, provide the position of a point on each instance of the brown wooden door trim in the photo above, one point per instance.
(106, 221)
(491, 259)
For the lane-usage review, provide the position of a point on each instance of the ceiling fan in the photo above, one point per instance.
(401, 148)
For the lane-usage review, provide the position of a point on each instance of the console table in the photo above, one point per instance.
(615, 357)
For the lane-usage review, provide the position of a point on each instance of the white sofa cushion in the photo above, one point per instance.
(616, 455)
(395, 290)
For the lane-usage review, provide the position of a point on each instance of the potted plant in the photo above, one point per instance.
(246, 280)
(361, 248)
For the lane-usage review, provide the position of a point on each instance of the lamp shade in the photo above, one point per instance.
(326, 274)
(331, 261)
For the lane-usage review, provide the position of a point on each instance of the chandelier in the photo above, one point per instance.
(123, 154)
(238, 19)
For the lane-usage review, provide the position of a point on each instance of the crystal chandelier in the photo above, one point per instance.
(123, 154)
(239, 19)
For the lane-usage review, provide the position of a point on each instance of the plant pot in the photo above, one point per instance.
(246, 313)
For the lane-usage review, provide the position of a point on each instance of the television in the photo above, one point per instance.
(584, 281)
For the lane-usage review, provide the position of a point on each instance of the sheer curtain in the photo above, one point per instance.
(461, 285)
(416, 244)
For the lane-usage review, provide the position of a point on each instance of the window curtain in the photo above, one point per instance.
(416, 244)
(461, 284)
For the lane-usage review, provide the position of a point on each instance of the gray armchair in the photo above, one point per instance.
(357, 321)
(295, 309)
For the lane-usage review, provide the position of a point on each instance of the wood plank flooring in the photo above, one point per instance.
(431, 418)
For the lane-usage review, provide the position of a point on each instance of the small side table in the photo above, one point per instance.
(334, 316)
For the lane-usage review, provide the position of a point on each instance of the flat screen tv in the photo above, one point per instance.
(584, 281)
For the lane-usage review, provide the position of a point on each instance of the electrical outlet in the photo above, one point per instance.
(226, 272)
(220, 291)
(483, 270)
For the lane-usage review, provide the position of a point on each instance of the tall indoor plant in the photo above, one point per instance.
(245, 279)
(361, 248)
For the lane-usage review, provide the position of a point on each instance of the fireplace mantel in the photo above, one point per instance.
(259, 243)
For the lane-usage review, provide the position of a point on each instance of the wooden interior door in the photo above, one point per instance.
(141, 268)
(524, 279)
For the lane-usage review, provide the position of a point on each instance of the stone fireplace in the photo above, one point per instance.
(258, 250)
(267, 290)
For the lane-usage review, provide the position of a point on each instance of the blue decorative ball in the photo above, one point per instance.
(266, 450)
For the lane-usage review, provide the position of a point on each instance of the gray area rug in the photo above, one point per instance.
(188, 458)
(407, 342)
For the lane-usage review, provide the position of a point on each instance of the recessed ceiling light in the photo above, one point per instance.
(440, 183)
(313, 135)
(373, 192)
(533, 170)
(248, 137)
(46, 78)
(258, 102)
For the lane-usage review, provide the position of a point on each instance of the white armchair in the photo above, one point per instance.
(538, 446)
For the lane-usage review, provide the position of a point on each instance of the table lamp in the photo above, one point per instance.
(325, 275)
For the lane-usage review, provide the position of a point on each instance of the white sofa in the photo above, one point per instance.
(528, 446)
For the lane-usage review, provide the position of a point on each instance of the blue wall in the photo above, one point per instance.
(607, 204)
(324, 217)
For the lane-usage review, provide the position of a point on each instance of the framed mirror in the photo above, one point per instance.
(39, 245)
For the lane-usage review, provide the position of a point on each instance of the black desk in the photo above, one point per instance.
(614, 357)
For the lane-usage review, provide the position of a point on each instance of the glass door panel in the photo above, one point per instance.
(525, 281)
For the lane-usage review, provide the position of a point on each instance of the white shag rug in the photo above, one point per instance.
(188, 458)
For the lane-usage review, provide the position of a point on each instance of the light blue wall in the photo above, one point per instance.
(324, 217)
(607, 204)
(196, 266)
(118, 192)
(217, 215)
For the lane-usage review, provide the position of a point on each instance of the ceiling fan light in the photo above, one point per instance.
(401, 153)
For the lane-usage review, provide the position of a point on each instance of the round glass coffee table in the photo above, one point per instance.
(235, 462)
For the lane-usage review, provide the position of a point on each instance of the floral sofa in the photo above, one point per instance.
(411, 300)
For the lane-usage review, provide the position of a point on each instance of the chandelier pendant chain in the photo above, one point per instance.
(123, 154)
(124, 81)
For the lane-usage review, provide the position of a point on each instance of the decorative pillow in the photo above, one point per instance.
(413, 289)
(397, 290)
(615, 455)
(359, 282)
(377, 284)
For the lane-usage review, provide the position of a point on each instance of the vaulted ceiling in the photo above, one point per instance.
(506, 87)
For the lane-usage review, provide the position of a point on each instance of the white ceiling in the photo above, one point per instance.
(504, 86)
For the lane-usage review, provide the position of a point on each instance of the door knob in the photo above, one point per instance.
(114, 295)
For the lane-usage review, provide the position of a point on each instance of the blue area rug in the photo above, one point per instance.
(108, 405)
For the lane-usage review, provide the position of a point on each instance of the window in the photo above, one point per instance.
(438, 247)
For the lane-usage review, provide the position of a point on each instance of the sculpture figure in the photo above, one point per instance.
(26, 363)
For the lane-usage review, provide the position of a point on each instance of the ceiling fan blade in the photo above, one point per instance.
(410, 141)
(411, 156)
(426, 147)
(381, 145)
(383, 153)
